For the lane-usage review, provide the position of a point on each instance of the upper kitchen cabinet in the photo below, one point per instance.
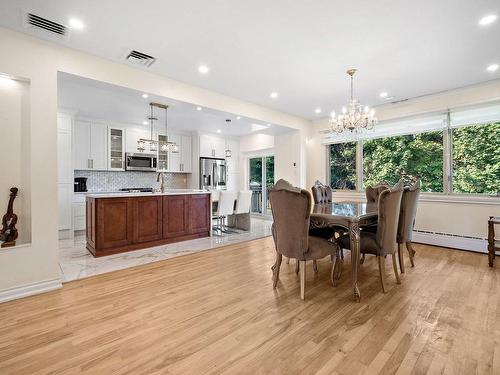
(116, 149)
(90, 145)
(212, 146)
(133, 135)
(181, 161)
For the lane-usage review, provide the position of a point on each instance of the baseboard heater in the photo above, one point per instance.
(454, 241)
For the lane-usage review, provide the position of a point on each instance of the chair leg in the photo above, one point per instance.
(302, 279)
(411, 252)
(297, 267)
(276, 270)
(362, 260)
(395, 266)
(336, 268)
(401, 259)
(381, 270)
(315, 266)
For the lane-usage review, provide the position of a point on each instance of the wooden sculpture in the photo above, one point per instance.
(8, 234)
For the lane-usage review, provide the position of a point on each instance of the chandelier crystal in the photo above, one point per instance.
(355, 117)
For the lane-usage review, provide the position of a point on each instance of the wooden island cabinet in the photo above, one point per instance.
(123, 222)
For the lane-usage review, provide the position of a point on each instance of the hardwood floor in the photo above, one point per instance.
(216, 312)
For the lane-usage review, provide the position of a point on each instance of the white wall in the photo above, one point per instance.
(35, 267)
(466, 216)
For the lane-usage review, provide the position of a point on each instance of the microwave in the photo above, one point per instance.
(140, 162)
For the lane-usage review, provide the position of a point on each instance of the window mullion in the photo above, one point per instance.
(359, 165)
(447, 157)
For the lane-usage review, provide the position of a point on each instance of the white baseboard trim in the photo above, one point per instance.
(456, 242)
(29, 289)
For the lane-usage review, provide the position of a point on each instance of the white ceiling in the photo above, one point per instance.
(300, 49)
(98, 100)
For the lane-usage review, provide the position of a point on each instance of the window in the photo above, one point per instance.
(342, 165)
(476, 159)
(389, 159)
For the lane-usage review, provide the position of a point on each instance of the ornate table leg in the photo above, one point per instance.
(355, 255)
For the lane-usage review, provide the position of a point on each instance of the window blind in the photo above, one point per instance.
(481, 114)
(390, 128)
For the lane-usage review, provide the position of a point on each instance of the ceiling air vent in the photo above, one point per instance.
(47, 25)
(140, 58)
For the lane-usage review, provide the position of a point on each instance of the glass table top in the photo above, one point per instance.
(346, 209)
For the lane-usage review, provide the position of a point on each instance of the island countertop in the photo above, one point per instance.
(146, 194)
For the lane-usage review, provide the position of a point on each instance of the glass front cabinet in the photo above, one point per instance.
(116, 151)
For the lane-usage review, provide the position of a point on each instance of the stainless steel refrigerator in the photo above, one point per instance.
(213, 174)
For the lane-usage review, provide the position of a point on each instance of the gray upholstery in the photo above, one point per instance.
(408, 212)
(321, 193)
(373, 192)
(291, 209)
(382, 242)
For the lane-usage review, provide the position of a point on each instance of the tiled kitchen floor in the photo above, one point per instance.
(77, 263)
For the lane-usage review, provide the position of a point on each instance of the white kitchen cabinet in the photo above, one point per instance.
(64, 165)
(64, 196)
(99, 146)
(174, 158)
(116, 149)
(79, 211)
(212, 146)
(132, 135)
(186, 153)
(90, 145)
(64, 171)
(81, 144)
(181, 161)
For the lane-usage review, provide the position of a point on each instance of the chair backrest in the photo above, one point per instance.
(215, 195)
(226, 203)
(373, 192)
(243, 202)
(409, 203)
(389, 205)
(321, 193)
(291, 209)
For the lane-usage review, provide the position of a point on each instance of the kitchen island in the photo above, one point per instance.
(120, 222)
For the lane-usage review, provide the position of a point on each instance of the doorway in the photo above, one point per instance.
(261, 179)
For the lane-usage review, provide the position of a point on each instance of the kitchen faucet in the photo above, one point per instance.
(162, 187)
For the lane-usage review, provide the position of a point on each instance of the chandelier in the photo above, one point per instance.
(354, 117)
(154, 144)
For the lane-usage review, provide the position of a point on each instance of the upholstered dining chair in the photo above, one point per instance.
(321, 193)
(409, 203)
(291, 210)
(383, 242)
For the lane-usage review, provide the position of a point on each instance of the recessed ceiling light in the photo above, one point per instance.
(144, 122)
(145, 96)
(274, 95)
(488, 19)
(203, 69)
(77, 24)
(383, 94)
(238, 117)
(268, 125)
(218, 130)
(198, 108)
(492, 68)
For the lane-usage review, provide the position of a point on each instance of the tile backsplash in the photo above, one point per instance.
(115, 180)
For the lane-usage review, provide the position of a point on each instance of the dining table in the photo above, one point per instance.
(349, 217)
